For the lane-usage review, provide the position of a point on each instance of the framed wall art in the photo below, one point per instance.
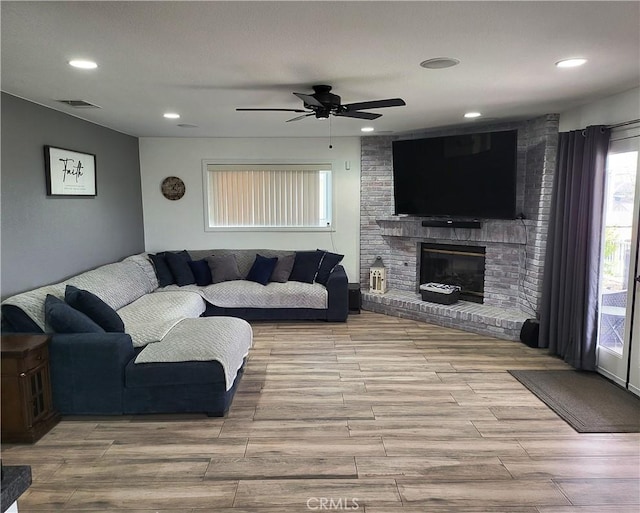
(69, 172)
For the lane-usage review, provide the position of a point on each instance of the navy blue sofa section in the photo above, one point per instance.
(95, 374)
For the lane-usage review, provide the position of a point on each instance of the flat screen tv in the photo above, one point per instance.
(471, 176)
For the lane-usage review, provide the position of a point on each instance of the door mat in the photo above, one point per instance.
(587, 401)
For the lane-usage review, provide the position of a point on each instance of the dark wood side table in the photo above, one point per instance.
(27, 405)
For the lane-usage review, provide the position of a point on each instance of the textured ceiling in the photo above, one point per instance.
(204, 59)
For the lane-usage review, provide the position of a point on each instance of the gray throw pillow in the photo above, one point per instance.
(223, 268)
(283, 268)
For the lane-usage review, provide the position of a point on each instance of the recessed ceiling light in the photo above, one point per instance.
(570, 63)
(83, 64)
(472, 115)
(439, 63)
(171, 115)
(366, 129)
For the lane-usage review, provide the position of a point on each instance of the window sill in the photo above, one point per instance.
(269, 229)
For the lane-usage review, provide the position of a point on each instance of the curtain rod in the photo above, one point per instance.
(625, 123)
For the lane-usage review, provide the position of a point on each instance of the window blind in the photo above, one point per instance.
(267, 195)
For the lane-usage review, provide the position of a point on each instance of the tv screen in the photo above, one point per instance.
(471, 176)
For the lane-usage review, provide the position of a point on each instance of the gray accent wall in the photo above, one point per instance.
(47, 239)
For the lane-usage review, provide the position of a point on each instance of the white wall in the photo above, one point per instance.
(608, 111)
(180, 224)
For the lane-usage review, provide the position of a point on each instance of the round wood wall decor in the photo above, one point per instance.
(173, 188)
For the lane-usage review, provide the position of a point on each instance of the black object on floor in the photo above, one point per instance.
(530, 332)
(587, 401)
(355, 299)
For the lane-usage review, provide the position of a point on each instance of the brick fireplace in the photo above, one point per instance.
(513, 249)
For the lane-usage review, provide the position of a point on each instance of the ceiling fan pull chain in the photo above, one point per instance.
(330, 145)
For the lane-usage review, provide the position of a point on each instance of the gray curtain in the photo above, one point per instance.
(569, 306)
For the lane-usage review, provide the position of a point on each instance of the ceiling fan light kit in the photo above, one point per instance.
(323, 103)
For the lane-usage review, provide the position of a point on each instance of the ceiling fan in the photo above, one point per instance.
(323, 103)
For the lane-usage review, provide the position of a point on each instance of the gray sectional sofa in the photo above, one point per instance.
(182, 348)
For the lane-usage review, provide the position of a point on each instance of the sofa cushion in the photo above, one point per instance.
(223, 268)
(143, 261)
(283, 268)
(63, 318)
(117, 284)
(150, 317)
(163, 272)
(248, 294)
(201, 272)
(95, 308)
(223, 339)
(31, 302)
(329, 261)
(262, 269)
(179, 265)
(306, 266)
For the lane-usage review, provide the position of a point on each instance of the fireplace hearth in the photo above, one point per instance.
(454, 264)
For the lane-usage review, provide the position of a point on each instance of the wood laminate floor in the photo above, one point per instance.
(376, 415)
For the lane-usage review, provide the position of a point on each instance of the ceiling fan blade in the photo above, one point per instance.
(301, 117)
(359, 115)
(309, 100)
(274, 110)
(375, 104)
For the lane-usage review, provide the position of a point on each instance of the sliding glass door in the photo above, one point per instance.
(618, 325)
(634, 352)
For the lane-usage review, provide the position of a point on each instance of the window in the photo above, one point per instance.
(272, 196)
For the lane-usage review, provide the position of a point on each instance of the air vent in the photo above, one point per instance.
(80, 104)
(187, 125)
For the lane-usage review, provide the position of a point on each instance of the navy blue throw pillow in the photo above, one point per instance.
(162, 270)
(306, 266)
(329, 261)
(201, 272)
(94, 308)
(62, 318)
(179, 266)
(262, 269)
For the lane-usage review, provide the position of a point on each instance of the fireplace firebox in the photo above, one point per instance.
(454, 264)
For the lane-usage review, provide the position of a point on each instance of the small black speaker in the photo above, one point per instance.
(355, 300)
(530, 332)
